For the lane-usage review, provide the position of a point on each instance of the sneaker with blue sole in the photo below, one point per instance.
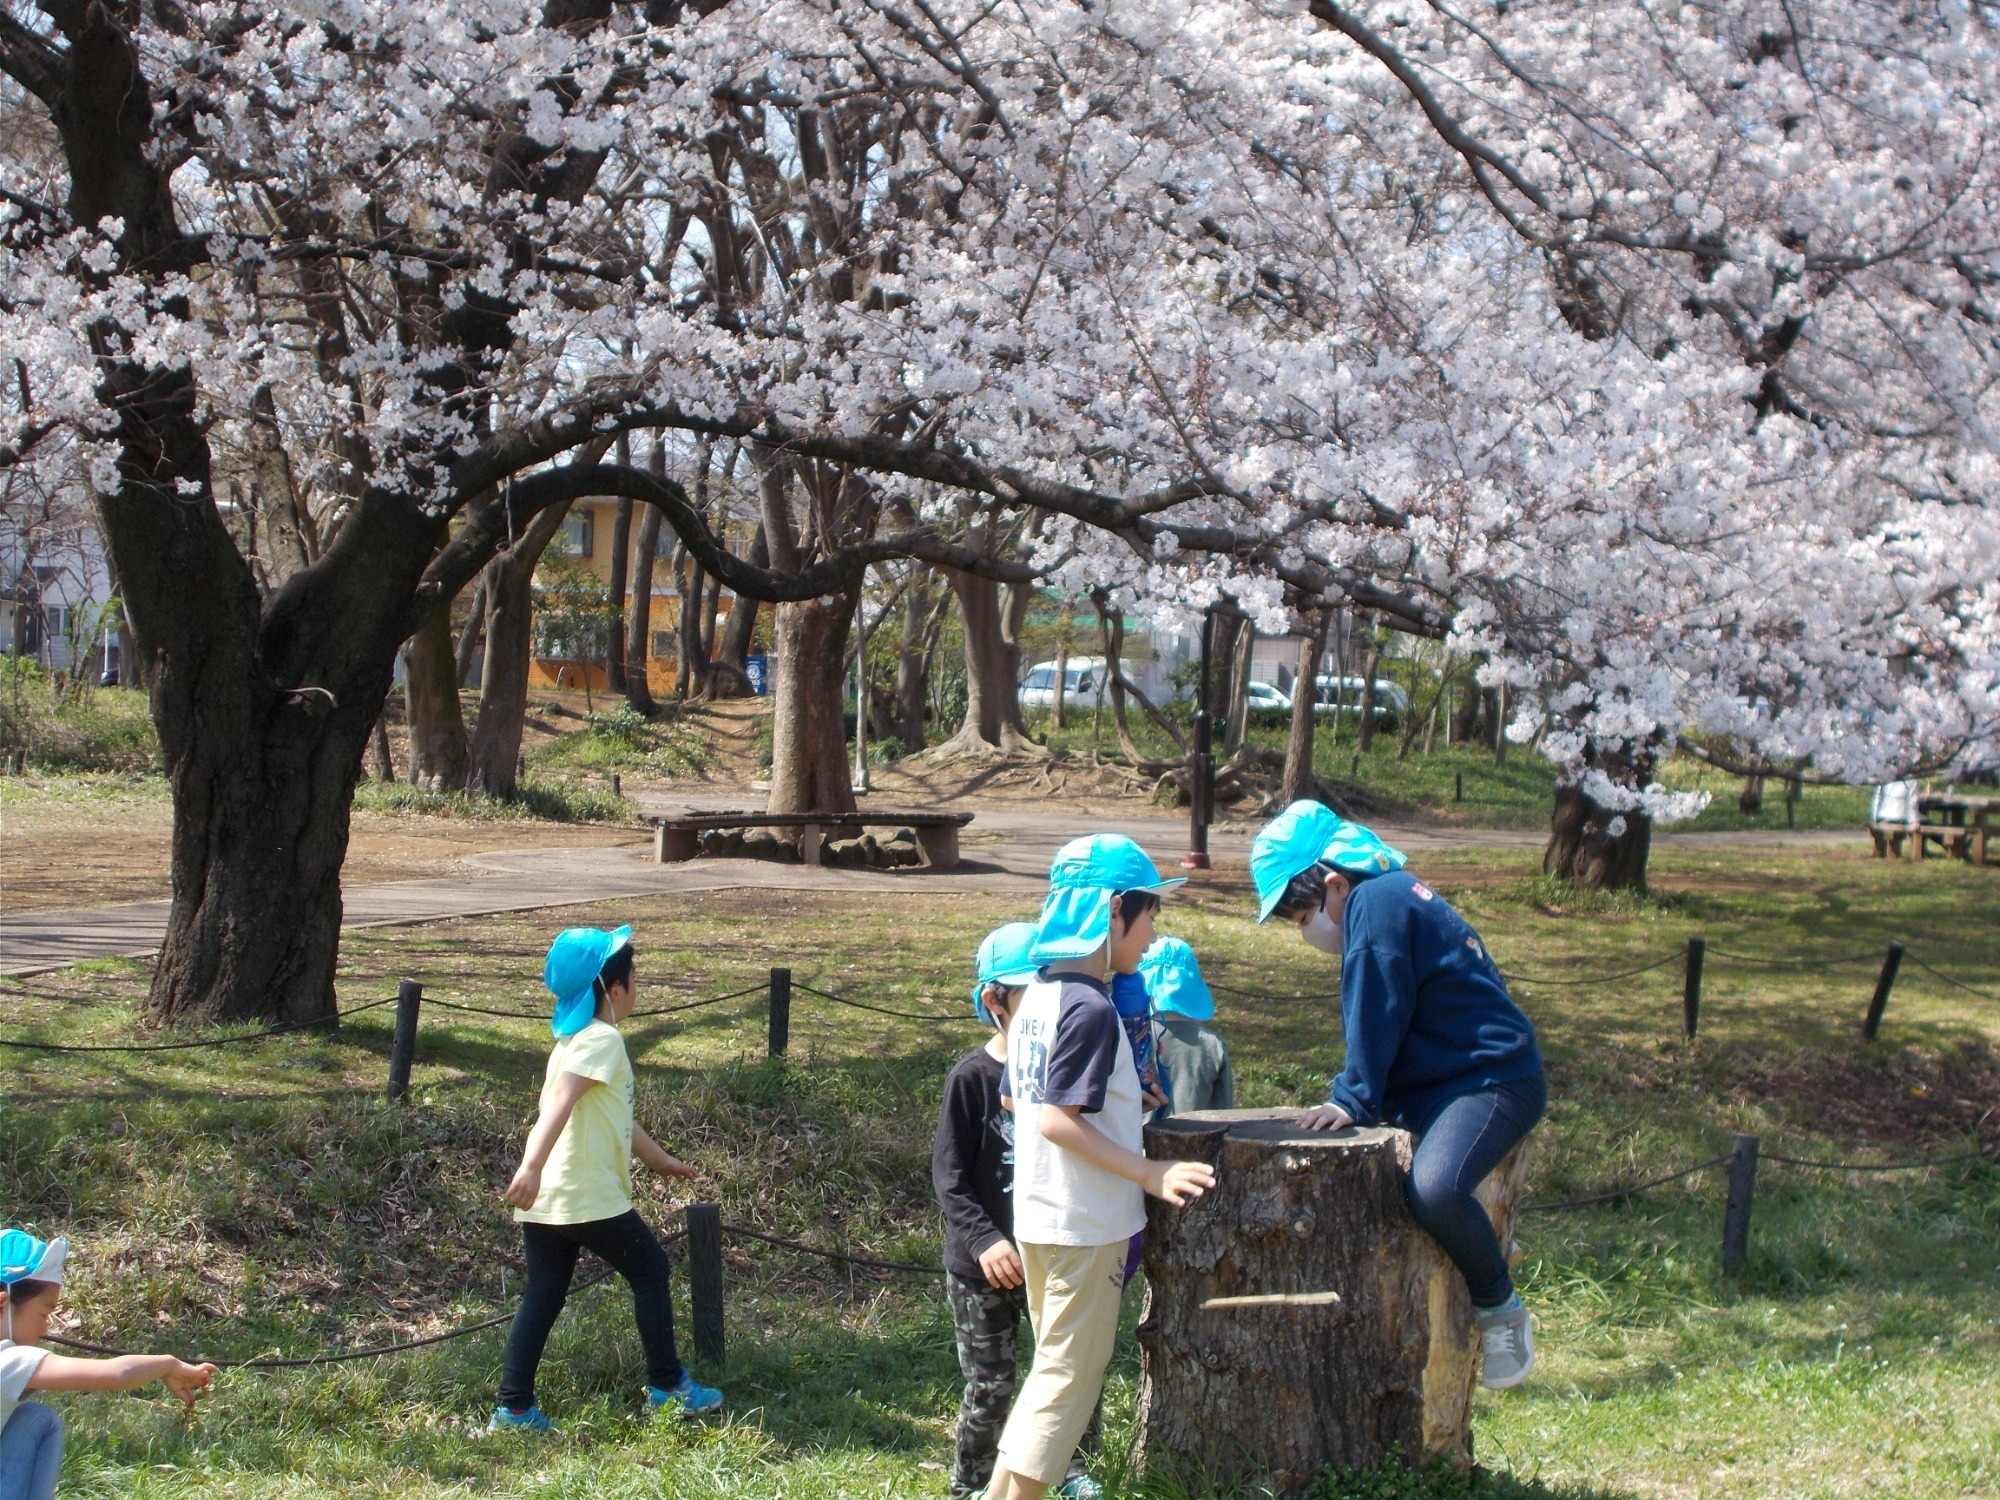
(687, 1399)
(1081, 1487)
(504, 1419)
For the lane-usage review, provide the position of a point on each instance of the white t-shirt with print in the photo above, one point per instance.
(18, 1363)
(1066, 1046)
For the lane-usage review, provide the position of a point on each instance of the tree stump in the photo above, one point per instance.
(1268, 1396)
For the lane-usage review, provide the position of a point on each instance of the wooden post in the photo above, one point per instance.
(1736, 1214)
(704, 1232)
(1458, 786)
(403, 1049)
(617, 785)
(1265, 1396)
(1884, 982)
(781, 1012)
(1354, 769)
(1691, 992)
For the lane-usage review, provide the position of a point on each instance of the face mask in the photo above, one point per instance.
(1322, 932)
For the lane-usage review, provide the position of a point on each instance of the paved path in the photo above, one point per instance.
(1004, 848)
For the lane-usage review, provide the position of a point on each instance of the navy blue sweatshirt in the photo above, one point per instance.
(1426, 1013)
(972, 1163)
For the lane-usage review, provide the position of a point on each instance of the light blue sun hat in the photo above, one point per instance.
(571, 969)
(25, 1258)
(1087, 873)
(1006, 957)
(1174, 985)
(1302, 836)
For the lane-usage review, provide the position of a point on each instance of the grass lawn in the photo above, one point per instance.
(259, 1199)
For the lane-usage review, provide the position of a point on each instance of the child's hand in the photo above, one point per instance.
(1325, 1117)
(673, 1166)
(1154, 1097)
(525, 1188)
(1180, 1182)
(1000, 1263)
(185, 1381)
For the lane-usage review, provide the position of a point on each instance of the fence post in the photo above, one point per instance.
(403, 1049)
(1354, 769)
(1458, 786)
(1691, 992)
(1884, 982)
(704, 1231)
(781, 1012)
(1736, 1214)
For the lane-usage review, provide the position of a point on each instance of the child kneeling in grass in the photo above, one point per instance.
(31, 1434)
(1080, 1173)
(972, 1169)
(573, 1189)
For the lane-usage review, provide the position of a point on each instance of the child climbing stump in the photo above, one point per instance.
(1268, 1394)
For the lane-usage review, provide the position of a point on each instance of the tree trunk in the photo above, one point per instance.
(1464, 717)
(1751, 803)
(1266, 1398)
(474, 633)
(638, 635)
(503, 689)
(438, 752)
(992, 620)
(1299, 778)
(621, 559)
(922, 616)
(1594, 846)
(691, 675)
(809, 770)
(384, 768)
(740, 633)
(1059, 696)
(1236, 722)
(1111, 630)
(1370, 666)
(1498, 698)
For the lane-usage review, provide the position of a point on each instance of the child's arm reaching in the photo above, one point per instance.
(655, 1156)
(527, 1184)
(1177, 1182)
(59, 1372)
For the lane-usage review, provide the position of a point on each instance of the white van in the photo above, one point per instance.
(1082, 677)
(1391, 702)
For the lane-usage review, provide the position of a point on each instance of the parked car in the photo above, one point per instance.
(1081, 678)
(1268, 702)
(1391, 702)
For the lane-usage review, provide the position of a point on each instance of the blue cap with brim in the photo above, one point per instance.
(1006, 957)
(25, 1258)
(1174, 985)
(1305, 834)
(1087, 873)
(575, 959)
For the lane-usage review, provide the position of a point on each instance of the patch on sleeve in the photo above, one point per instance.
(1424, 892)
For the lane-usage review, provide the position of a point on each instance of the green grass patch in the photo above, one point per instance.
(552, 801)
(622, 739)
(80, 729)
(259, 1198)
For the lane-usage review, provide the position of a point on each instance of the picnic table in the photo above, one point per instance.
(678, 838)
(1975, 814)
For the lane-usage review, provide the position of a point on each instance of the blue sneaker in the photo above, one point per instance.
(685, 1400)
(531, 1420)
(1082, 1487)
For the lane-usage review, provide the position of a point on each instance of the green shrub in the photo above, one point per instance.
(623, 739)
(77, 729)
(551, 801)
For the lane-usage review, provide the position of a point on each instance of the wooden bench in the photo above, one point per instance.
(678, 838)
(1890, 838)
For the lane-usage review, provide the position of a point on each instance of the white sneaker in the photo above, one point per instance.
(1506, 1344)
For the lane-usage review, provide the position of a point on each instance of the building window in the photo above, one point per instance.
(663, 643)
(580, 534)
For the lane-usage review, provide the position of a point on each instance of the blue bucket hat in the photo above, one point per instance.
(1174, 984)
(1006, 957)
(25, 1258)
(1305, 834)
(1087, 873)
(570, 971)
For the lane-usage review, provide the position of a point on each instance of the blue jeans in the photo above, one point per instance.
(1458, 1147)
(30, 1453)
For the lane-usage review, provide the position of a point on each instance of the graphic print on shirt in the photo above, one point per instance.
(1028, 1062)
(1002, 1125)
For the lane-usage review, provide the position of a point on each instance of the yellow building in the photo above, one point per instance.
(586, 538)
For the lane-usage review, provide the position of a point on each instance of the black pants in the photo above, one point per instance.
(629, 1248)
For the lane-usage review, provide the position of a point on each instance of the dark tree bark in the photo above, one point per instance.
(503, 692)
(733, 681)
(639, 626)
(923, 615)
(1598, 847)
(1371, 664)
(691, 665)
(1496, 698)
(621, 558)
(1300, 781)
(384, 768)
(472, 635)
(1111, 630)
(1265, 1398)
(809, 769)
(992, 617)
(1236, 717)
(438, 751)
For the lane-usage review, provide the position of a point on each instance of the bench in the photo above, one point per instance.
(678, 838)
(1889, 839)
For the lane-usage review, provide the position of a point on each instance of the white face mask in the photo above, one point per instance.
(1322, 932)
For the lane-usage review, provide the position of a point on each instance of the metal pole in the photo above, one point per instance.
(403, 1048)
(1884, 982)
(704, 1233)
(781, 1012)
(1202, 792)
(1691, 994)
(1736, 1215)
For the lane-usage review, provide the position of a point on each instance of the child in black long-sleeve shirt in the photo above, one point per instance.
(972, 1169)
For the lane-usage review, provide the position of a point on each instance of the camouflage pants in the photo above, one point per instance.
(988, 1323)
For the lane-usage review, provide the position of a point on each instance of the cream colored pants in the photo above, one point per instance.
(1073, 1295)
